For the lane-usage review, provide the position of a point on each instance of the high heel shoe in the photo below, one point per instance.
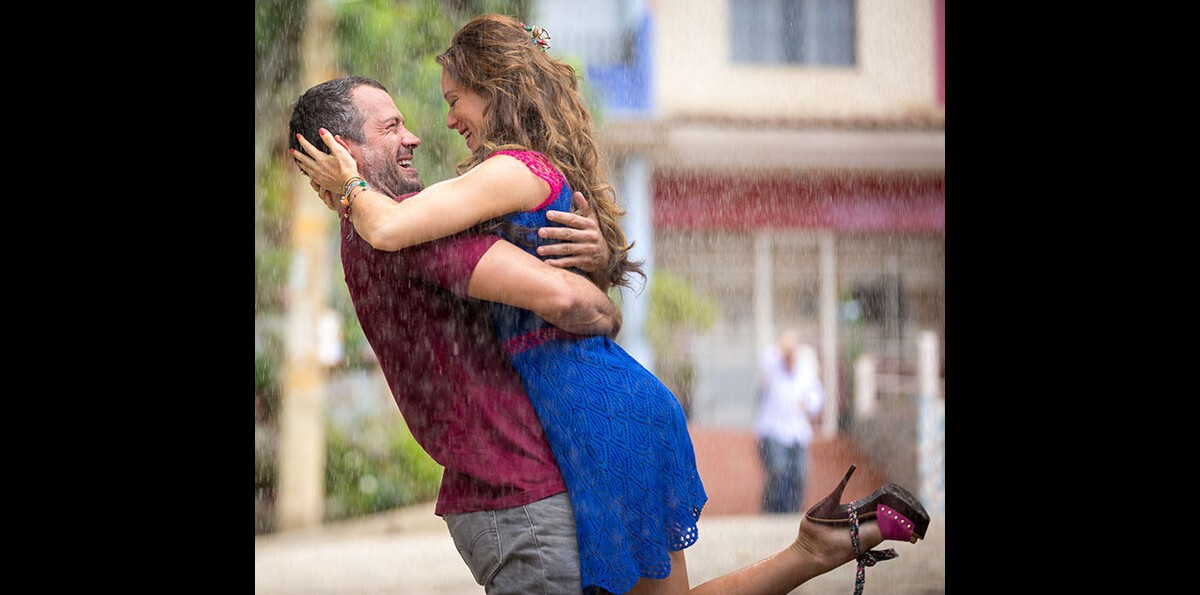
(898, 513)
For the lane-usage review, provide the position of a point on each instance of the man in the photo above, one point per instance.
(443, 363)
(791, 400)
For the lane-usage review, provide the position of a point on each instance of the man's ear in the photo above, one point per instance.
(350, 145)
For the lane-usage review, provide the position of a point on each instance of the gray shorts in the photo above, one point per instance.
(520, 550)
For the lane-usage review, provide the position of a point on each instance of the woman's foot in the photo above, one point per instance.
(900, 513)
(830, 546)
(890, 512)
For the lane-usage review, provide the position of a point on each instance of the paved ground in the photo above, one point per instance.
(408, 551)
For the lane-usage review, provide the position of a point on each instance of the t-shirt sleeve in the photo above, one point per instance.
(448, 262)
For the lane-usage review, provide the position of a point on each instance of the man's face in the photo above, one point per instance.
(386, 153)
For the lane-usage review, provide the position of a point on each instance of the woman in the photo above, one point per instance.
(622, 443)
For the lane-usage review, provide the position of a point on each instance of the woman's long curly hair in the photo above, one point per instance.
(534, 103)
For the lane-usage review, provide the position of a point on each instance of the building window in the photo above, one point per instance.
(813, 32)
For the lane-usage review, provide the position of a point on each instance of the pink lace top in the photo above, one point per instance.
(541, 167)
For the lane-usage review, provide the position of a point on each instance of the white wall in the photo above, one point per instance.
(895, 75)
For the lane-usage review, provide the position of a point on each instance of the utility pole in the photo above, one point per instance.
(300, 495)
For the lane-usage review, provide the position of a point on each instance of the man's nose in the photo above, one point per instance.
(409, 139)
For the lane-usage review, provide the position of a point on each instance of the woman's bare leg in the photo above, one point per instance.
(817, 549)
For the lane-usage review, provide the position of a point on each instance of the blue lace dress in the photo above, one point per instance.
(619, 435)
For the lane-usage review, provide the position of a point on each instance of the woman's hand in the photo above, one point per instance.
(328, 171)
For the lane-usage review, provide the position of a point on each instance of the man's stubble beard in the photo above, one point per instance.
(385, 176)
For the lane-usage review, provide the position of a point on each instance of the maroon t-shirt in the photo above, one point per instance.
(459, 395)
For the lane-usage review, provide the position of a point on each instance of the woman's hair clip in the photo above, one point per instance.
(540, 36)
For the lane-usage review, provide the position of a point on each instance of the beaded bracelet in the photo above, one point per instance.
(350, 182)
(348, 200)
(350, 185)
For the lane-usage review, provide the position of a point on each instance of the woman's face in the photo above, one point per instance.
(466, 111)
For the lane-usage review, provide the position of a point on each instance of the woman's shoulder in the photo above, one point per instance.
(537, 162)
(540, 166)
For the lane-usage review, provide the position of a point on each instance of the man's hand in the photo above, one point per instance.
(327, 197)
(582, 245)
(510, 275)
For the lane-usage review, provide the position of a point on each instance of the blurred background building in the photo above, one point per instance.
(785, 161)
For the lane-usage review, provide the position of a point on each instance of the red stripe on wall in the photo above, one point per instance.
(883, 203)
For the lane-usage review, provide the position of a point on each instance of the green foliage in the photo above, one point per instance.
(382, 467)
(270, 274)
(270, 202)
(271, 255)
(277, 28)
(266, 381)
(268, 355)
(271, 18)
(675, 307)
(264, 482)
(677, 311)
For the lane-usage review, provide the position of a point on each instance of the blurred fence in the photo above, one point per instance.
(899, 419)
